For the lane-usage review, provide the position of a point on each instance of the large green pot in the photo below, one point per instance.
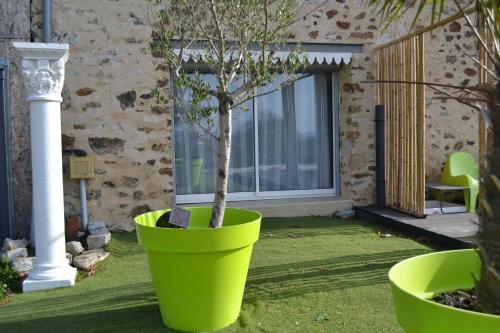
(199, 273)
(417, 279)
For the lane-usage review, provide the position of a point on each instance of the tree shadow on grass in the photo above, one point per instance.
(278, 228)
(145, 318)
(301, 278)
(133, 308)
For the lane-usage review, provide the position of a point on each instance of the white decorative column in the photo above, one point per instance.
(43, 68)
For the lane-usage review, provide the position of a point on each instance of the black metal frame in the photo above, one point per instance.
(380, 154)
(7, 228)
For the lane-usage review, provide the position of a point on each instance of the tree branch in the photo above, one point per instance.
(476, 32)
(483, 66)
(475, 88)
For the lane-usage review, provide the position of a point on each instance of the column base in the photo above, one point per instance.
(65, 277)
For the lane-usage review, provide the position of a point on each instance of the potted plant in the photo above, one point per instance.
(417, 280)
(71, 227)
(199, 272)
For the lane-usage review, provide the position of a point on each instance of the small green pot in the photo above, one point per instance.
(199, 273)
(414, 281)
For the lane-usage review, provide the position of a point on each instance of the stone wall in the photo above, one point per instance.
(107, 108)
(15, 26)
(449, 125)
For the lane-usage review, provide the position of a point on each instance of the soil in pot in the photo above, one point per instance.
(460, 299)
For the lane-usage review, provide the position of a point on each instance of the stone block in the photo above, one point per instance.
(87, 259)
(13, 254)
(97, 228)
(98, 241)
(12, 244)
(345, 214)
(74, 248)
(22, 264)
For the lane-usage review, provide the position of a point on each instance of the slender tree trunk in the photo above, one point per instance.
(488, 236)
(222, 163)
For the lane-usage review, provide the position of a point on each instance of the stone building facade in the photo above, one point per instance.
(108, 109)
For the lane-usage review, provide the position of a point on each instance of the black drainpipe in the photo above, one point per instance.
(380, 154)
(47, 22)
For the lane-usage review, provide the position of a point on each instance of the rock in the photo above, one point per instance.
(81, 234)
(12, 254)
(12, 244)
(455, 27)
(345, 213)
(22, 265)
(103, 145)
(362, 35)
(127, 99)
(343, 24)
(98, 241)
(314, 34)
(166, 171)
(129, 181)
(331, 13)
(67, 141)
(470, 72)
(70, 258)
(87, 259)
(97, 228)
(360, 16)
(459, 145)
(159, 109)
(84, 91)
(138, 210)
(74, 248)
(94, 194)
(159, 147)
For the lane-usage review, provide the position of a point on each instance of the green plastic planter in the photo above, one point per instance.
(199, 273)
(417, 279)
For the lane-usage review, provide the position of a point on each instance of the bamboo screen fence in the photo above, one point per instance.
(399, 62)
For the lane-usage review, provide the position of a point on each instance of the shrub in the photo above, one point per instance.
(9, 278)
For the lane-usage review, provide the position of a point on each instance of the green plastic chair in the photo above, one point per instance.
(461, 169)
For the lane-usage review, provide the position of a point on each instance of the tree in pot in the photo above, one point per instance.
(238, 42)
(484, 98)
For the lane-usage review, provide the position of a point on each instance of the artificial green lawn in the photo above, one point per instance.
(307, 275)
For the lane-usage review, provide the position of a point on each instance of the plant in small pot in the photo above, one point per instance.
(459, 291)
(199, 269)
(71, 227)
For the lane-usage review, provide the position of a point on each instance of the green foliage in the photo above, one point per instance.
(390, 10)
(321, 317)
(237, 39)
(8, 277)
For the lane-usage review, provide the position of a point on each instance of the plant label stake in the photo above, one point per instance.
(179, 217)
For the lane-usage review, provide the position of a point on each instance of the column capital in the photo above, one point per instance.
(43, 68)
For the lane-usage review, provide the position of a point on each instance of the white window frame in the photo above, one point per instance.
(265, 195)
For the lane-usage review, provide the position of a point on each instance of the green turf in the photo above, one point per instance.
(307, 275)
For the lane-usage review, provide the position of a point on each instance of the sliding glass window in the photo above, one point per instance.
(290, 134)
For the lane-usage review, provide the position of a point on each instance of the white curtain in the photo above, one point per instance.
(295, 146)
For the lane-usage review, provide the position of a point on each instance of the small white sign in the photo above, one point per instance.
(180, 217)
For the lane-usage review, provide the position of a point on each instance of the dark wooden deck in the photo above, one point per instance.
(454, 231)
